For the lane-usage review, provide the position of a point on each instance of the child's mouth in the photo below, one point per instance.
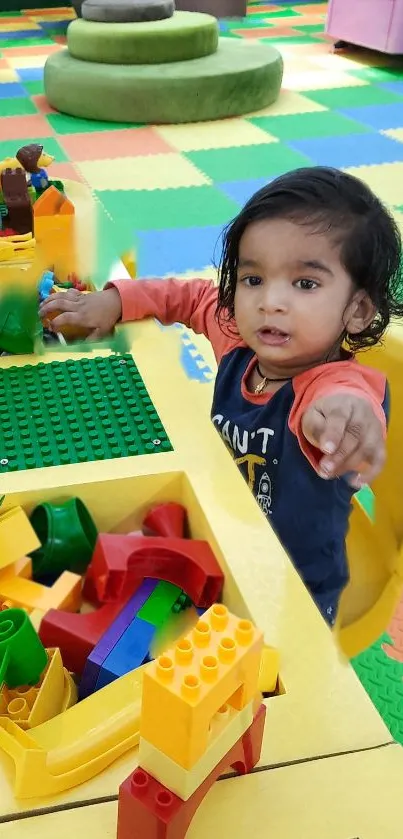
(272, 337)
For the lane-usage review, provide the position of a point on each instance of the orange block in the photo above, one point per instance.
(65, 593)
(216, 664)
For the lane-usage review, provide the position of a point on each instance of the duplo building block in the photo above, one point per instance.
(29, 706)
(22, 656)
(119, 560)
(67, 535)
(160, 603)
(17, 536)
(130, 652)
(166, 520)
(149, 809)
(217, 663)
(76, 411)
(227, 726)
(111, 637)
(77, 634)
(69, 750)
(65, 593)
(269, 669)
(21, 568)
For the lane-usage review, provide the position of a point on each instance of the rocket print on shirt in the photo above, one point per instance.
(249, 450)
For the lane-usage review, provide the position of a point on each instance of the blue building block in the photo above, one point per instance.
(111, 637)
(130, 652)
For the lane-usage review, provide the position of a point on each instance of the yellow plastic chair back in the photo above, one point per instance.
(374, 547)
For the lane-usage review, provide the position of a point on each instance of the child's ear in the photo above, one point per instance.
(360, 313)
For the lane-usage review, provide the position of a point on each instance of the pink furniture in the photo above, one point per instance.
(375, 24)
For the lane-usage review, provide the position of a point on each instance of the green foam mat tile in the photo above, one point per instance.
(76, 411)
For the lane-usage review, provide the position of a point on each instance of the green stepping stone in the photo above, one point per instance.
(127, 11)
(184, 36)
(237, 79)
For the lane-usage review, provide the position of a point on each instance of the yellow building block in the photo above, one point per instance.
(227, 726)
(17, 536)
(217, 663)
(65, 593)
(21, 568)
(68, 750)
(29, 706)
(269, 669)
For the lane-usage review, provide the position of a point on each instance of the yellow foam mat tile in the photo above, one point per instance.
(214, 135)
(25, 26)
(8, 75)
(385, 179)
(396, 134)
(289, 102)
(314, 80)
(159, 171)
(22, 61)
(355, 795)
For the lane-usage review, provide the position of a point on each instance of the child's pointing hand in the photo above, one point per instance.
(345, 428)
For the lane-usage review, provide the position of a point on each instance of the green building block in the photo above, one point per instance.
(20, 327)
(158, 607)
(23, 657)
(76, 411)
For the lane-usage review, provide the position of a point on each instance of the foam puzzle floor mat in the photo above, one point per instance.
(170, 189)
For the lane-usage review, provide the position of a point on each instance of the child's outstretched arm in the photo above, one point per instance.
(192, 303)
(340, 421)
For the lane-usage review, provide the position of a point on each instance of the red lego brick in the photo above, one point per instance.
(118, 561)
(148, 810)
(166, 520)
(77, 634)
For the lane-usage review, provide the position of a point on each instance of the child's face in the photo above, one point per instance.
(293, 297)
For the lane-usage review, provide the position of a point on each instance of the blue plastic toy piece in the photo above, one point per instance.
(39, 180)
(111, 637)
(46, 284)
(130, 652)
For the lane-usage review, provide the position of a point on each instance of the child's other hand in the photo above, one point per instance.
(95, 314)
(345, 428)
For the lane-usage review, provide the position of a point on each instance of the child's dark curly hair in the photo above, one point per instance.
(328, 200)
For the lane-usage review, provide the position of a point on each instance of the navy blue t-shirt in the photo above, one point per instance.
(309, 514)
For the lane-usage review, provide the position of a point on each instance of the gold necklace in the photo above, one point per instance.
(265, 381)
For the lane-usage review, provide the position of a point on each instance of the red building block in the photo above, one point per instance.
(166, 520)
(148, 810)
(75, 634)
(120, 561)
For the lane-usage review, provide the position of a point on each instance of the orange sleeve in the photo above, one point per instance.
(326, 380)
(170, 301)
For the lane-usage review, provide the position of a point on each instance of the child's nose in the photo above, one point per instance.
(274, 298)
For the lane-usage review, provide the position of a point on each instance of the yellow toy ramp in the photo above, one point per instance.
(78, 744)
(374, 548)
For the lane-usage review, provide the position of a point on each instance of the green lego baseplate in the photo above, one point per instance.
(76, 411)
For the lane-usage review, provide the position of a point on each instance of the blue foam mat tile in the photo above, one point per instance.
(176, 251)
(352, 150)
(11, 90)
(393, 87)
(379, 117)
(241, 191)
(30, 74)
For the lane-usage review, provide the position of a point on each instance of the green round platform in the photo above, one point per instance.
(239, 78)
(184, 36)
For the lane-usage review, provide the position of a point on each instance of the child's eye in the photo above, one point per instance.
(251, 281)
(306, 285)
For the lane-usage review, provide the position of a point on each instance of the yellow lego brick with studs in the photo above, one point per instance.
(227, 727)
(217, 663)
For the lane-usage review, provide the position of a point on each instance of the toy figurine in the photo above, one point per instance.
(33, 159)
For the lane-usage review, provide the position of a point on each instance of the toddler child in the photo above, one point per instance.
(309, 275)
